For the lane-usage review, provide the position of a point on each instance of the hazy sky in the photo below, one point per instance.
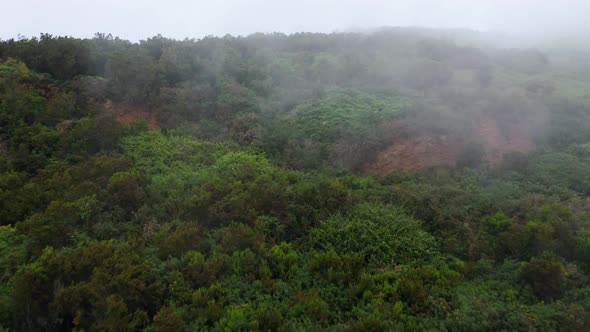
(139, 19)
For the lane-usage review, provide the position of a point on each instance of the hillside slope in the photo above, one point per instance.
(227, 184)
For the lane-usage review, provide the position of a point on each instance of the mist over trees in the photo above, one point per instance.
(403, 179)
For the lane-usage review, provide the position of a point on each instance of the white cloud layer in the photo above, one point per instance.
(139, 19)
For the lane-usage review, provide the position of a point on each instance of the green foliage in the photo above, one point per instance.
(325, 119)
(13, 254)
(241, 166)
(150, 186)
(550, 228)
(494, 229)
(91, 135)
(167, 320)
(132, 74)
(562, 169)
(156, 154)
(583, 245)
(546, 276)
(383, 236)
(347, 127)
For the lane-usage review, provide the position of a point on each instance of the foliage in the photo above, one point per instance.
(220, 185)
(383, 236)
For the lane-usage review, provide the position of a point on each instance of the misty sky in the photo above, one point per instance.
(139, 19)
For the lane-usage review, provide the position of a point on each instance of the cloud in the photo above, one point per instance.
(139, 19)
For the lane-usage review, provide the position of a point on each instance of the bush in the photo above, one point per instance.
(383, 235)
(545, 275)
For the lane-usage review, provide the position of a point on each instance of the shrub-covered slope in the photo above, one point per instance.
(217, 184)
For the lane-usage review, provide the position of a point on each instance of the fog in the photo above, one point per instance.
(537, 20)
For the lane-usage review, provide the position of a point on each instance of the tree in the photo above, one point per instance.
(545, 275)
(167, 320)
(383, 235)
(132, 75)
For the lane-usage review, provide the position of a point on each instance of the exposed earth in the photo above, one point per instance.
(427, 150)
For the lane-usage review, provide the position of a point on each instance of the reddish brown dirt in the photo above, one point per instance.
(418, 152)
(127, 113)
(424, 150)
(516, 137)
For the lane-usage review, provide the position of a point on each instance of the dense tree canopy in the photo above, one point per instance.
(224, 184)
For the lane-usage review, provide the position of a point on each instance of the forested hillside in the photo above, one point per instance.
(399, 180)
